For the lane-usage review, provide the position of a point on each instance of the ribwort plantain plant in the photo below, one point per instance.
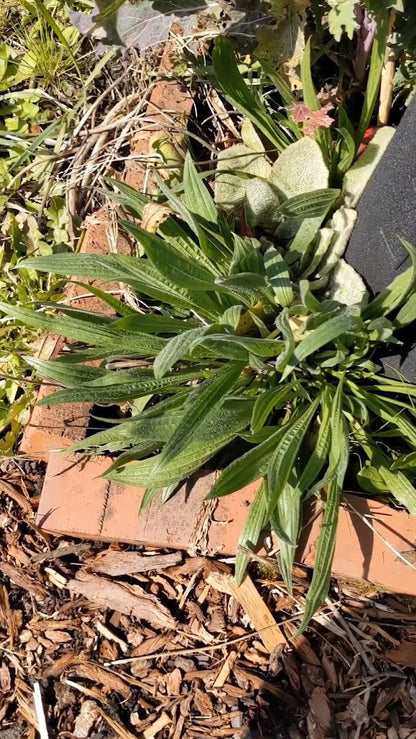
(231, 341)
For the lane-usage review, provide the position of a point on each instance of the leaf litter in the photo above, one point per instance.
(128, 642)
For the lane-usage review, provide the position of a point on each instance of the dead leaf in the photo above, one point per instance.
(311, 120)
(405, 654)
(154, 214)
(320, 718)
(131, 600)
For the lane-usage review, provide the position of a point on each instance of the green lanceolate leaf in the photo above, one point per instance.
(151, 323)
(269, 400)
(284, 457)
(131, 199)
(197, 198)
(407, 313)
(211, 394)
(127, 390)
(278, 276)
(390, 414)
(282, 323)
(170, 263)
(246, 469)
(233, 86)
(400, 487)
(255, 523)
(311, 204)
(338, 462)
(328, 331)
(139, 273)
(218, 430)
(248, 287)
(154, 431)
(320, 450)
(229, 346)
(286, 518)
(94, 334)
(318, 589)
(117, 305)
(176, 348)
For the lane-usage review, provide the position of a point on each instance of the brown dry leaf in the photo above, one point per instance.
(85, 720)
(405, 654)
(320, 719)
(154, 214)
(132, 600)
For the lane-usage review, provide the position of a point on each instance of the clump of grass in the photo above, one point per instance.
(47, 56)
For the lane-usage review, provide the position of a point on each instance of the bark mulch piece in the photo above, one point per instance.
(126, 642)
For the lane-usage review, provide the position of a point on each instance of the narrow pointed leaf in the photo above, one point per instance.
(284, 457)
(271, 399)
(255, 523)
(176, 348)
(211, 395)
(246, 469)
(328, 331)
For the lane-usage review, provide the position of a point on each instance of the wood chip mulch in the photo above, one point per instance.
(107, 641)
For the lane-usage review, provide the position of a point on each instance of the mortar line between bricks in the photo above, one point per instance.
(104, 511)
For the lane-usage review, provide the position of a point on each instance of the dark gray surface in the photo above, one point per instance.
(386, 211)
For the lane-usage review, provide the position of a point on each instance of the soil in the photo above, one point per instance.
(132, 642)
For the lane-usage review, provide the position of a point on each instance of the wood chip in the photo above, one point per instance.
(116, 564)
(119, 730)
(260, 684)
(225, 670)
(17, 496)
(22, 580)
(157, 726)
(253, 604)
(108, 634)
(131, 600)
(86, 719)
